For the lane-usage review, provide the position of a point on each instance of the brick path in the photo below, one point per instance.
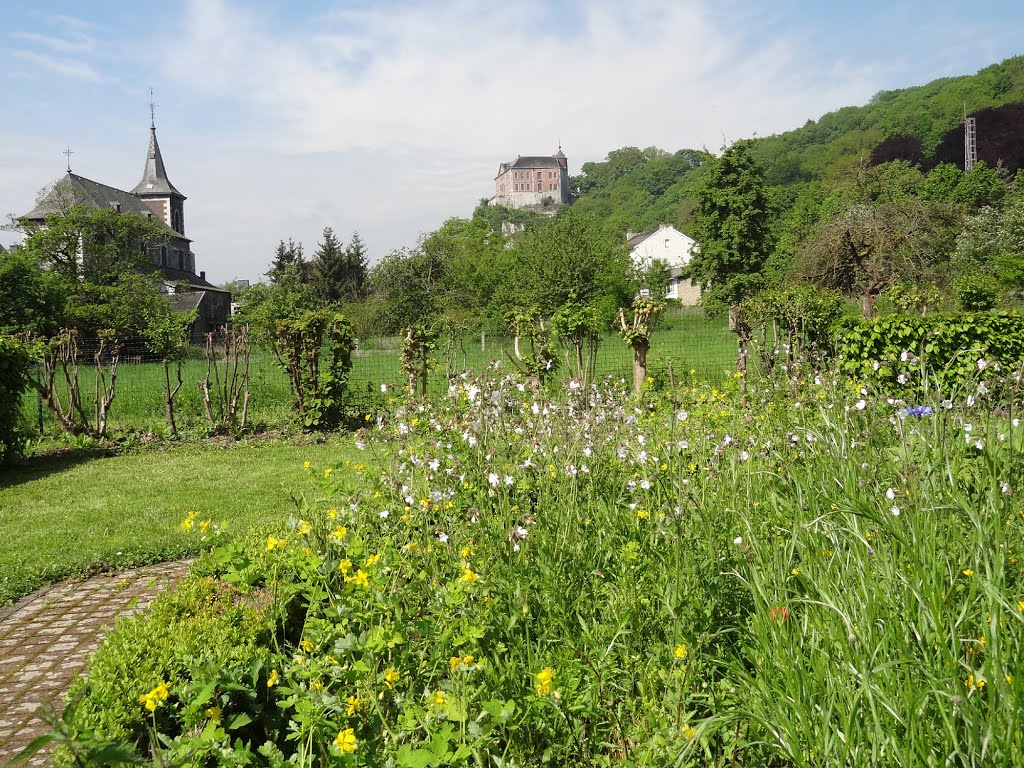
(46, 638)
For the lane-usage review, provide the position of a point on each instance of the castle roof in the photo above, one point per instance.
(535, 161)
(154, 177)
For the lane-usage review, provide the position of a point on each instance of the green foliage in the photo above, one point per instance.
(15, 366)
(315, 349)
(98, 246)
(338, 274)
(208, 642)
(992, 243)
(418, 341)
(32, 299)
(732, 229)
(792, 324)
(289, 263)
(905, 351)
(708, 578)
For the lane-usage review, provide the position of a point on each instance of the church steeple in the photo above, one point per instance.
(156, 189)
(154, 177)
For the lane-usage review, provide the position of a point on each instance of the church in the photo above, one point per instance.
(153, 197)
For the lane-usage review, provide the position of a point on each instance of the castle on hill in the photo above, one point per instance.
(537, 181)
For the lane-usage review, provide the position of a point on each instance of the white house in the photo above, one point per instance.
(667, 244)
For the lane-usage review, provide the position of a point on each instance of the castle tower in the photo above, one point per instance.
(156, 189)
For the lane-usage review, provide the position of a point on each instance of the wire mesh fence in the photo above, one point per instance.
(686, 343)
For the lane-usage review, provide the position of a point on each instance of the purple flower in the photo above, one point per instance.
(919, 410)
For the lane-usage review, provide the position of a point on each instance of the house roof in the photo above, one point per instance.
(185, 302)
(154, 176)
(176, 276)
(634, 240)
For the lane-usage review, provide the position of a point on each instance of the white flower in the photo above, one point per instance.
(683, 415)
(895, 511)
(744, 455)
(1005, 488)
(509, 480)
(472, 392)
(861, 404)
(535, 409)
(434, 464)
(493, 479)
(384, 515)
(442, 537)
(890, 494)
(738, 540)
(982, 364)
(360, 445)
(902, 378)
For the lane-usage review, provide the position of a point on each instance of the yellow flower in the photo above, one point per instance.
(186, 524)
(689, 731)
(465, 661)
(373, 559)
(795, 571)
(642, 514)
(1020, 605)
(306, 465)
(361, 578)
(544, 680)
(968, 572)
(681, 651)
(332, 513)
(328, 472)
(305, 645)
(204, 526)
(345, 565)
(346, 741)
(214, 713)
(304, 527)
(353, 705)
(466, 553)
(414, 423)
(1009, 679)
(273, 544)
(391, 677)
(274, 679)
(468, 576)
(155, 697)
(973, 682)
(339, 533)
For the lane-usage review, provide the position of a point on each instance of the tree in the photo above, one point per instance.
(637, 331)
(329, 269)
(357, 268)
(991, 247)
(167, 335)
(732, 227)
(288, 260)
(33, 300)
(92, 245)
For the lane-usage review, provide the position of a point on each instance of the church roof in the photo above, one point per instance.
(176, 275)
(154, 177)
(73, 189)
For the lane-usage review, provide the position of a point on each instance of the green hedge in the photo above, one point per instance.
(15, 364)
(949, 349)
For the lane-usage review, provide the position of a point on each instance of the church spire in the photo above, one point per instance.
(154, 177)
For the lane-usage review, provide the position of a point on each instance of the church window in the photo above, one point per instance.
(163, 255)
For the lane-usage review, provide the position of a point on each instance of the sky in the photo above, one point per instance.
(386, 117)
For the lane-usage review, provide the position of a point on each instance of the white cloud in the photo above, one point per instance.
(73, 68)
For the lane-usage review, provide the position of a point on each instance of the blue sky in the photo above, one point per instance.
(278, 119)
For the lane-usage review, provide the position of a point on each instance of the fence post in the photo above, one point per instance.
(483, 341)
(39, 398)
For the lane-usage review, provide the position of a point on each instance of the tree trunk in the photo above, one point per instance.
(169, 398)
(640, 364)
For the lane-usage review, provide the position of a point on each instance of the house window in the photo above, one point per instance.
(666, 242)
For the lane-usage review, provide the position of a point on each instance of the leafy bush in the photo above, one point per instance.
(15, 363)
(208, 643)
(902, 351)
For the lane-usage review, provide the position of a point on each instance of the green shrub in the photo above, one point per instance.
(900, 350)
(15, 362)
(207, 642)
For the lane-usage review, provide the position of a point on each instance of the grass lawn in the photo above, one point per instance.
(67, 516)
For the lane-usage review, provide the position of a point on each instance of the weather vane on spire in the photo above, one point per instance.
(152, 109)
(68, 153)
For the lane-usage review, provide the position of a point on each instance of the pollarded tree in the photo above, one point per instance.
(732, 227)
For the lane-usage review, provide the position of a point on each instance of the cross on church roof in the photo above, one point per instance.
(69, 153)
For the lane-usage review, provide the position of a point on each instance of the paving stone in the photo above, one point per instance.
(46, 639)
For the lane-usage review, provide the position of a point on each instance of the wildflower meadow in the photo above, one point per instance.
(807, 572)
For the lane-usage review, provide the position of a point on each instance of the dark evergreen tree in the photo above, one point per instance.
(329, 269)
(288, 258)
(357, 268)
